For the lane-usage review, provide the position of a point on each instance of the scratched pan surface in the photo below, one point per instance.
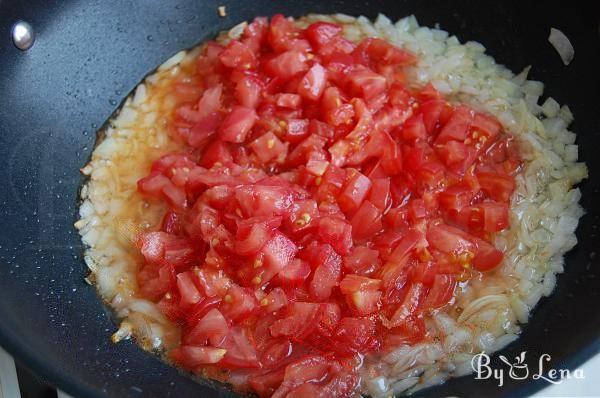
(89, 54)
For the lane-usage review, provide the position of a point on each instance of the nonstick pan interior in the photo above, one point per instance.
(89, 54)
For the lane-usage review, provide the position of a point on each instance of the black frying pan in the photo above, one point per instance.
(89, 54)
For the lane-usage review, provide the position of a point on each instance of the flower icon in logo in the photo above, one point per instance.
(519, 369)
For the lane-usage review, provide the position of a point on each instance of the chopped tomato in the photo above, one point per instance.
(286, 65)
(327, 271)
(354, 192)
(366, 222)
(268, 147)
(248, 91)
(319, 206)
(487, 257)
(213, 327)
(336, 232)
(237, 55)
(313, 83)
(320, 33)
(496, 186)
(237, 124)
(441, 292)
(362, 260)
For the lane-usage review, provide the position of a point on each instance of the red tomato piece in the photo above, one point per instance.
(457, 127)
(441, 292)
(313, 83)
(240, 352)
(187, 289)
(239, 303)
(238, 55)
(216, 152)
(409, 306)
(264, 200)
(355, 334)
(365, 83)
(287, 100)
(487, 217)
(383, 52)
(294, 274)
(449, 239)
(362, 260)
(278, 252)
(255, 33)
(252, 235)
(248, 91)
(435, 113)
(487, 256)
(354, 192)
(327, 266)
(366, 222)
(297, 129)
(353, 283)
(414, 128)
(380, 195)
(299, 320)
(212, 327)
(335, 110)
(320, 33)
(496, 186)
(268, 147)
(336, 232)
(237, 124)
(286, 65)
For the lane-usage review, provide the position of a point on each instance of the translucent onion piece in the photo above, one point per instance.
(562, 45)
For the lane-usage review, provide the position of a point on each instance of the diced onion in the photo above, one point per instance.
(562, 45)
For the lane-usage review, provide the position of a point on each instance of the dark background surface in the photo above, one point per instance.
(89, 54)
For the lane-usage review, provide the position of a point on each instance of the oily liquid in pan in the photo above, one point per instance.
(137, 207)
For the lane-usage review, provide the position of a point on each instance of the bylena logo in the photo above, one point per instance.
(519, 370)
